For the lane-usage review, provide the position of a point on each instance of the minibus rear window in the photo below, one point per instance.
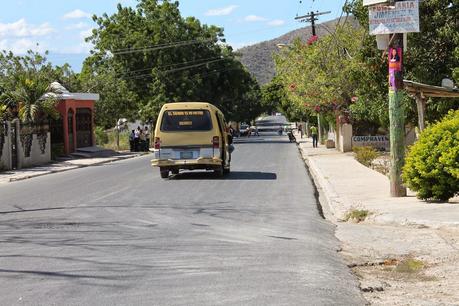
(186, 120)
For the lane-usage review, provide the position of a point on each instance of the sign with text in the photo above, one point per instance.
(401, 18)
(378, 142)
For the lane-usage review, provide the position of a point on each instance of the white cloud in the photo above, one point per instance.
(82, 48)
(21, 28)
(76, 14)
(276, 22)
(221, 11)
(239, 45)
(85, 33)
(77, 26)
(254, 18)
(21, 46)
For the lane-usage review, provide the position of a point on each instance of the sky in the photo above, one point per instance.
(60, 26)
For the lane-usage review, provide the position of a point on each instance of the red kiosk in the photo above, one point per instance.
(77, 118)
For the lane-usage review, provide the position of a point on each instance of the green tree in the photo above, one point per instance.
(272, 95)
(116, 100)
(319, 76)
(25, 83)
(164, 57)
(34, 100)
(432, 55)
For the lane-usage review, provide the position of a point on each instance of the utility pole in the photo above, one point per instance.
(382, 23)
(396, 116)
(312, 18)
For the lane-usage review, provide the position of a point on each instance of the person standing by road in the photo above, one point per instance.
(137, 133)
(314, 136)
(300, 130)
(147, 139)
(143, 140)
(131, 141)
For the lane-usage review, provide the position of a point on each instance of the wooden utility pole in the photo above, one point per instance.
(396, 116)
(312, 18)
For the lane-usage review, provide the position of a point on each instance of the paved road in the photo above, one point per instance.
(119, 235)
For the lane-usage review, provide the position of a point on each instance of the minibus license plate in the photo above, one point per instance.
(186, 155)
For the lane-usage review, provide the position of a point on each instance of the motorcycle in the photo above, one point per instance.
(291, 137)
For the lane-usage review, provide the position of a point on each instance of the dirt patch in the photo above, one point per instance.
(403, 266)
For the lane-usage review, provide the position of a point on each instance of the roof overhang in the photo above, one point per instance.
(78, 96)
(425, 90)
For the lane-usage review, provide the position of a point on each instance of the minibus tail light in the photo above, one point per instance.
(216, 142)
(157, 143)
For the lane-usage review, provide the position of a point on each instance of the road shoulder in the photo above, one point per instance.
(61, 166)
(404, 251)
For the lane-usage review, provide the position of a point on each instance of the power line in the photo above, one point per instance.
(173, 65)
(174, 70)
(160, 47)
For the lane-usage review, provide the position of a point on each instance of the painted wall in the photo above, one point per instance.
(5, 156)
(64, 107)
(40, 152)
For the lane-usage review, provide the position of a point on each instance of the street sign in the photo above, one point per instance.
(373, 2)
(403, 17)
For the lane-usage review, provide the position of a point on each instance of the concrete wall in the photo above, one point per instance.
(5, 159)
(345, 138)
(37, 157)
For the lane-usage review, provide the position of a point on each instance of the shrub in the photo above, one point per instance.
(365, 155)
(432, 163)
(101, 136)
(57, 149)
(356, 215)
(111, 140)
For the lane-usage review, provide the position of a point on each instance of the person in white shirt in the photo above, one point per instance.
(147, 139)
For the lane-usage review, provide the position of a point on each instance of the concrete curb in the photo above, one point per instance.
(329, 196)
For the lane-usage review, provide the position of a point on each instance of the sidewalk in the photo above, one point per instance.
(61, 165)
(348, 185)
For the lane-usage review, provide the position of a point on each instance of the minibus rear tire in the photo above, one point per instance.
(219, 171)
(164, 173)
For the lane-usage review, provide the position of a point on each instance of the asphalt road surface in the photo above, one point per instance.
(118, 234)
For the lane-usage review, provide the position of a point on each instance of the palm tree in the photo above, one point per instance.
(34, 99)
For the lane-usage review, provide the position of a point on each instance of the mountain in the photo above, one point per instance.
(258, 57)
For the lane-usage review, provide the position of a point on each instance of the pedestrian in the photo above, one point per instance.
(147, 139)
(143, 140)
(314, 136)
(300, 130)
(137, 139)
(131, 141)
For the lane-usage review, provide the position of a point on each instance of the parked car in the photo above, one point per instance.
(244, 129)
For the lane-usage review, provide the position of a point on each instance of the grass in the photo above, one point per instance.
(365, 155)
(107, 139)
(357, 215)
(409, 265)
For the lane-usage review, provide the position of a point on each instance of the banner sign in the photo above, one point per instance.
(378, 142)
(401, 18)
(395, 69)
